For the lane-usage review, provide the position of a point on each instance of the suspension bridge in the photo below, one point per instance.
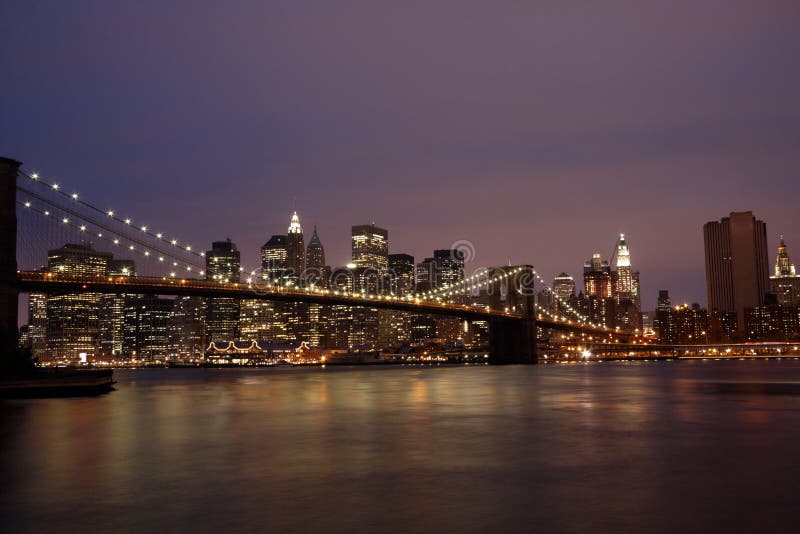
(514, 320)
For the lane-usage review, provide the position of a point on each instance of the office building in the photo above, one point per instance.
(146, 331)
(275, 260)
(401, 274)
(626, 289)
(187, 328)
(563, 288)
(73, 319)
(317, 275)
(598, 285)
(112, 319)
(295, 250)
(223, 265)
(370, 247)
(737, 275)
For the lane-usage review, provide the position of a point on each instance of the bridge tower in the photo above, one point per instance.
(9, 294)
(513, 340)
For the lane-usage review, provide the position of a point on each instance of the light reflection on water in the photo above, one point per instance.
(606, 447)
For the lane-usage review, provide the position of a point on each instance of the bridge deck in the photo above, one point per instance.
(46, 282)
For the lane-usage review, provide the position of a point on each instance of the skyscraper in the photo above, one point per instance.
(317, 272)
(564, 293)
(37, 325)
(599, 287)
(73, 319)
(664, 326)
(112, 319)
(736, 264)
(626, 289)
(449, 266)
(370, 246)
(445, 268)
(564, 287)
(146, 326)
(275, 259)
(223, 264)
(187, 328)
(295, 250)
(785, 283)
(394, 327)
(401, 269)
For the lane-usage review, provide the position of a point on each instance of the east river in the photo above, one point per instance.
(679, 446)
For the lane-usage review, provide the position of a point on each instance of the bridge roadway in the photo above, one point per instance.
(46, 282)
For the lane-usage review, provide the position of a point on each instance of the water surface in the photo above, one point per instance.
(644, 447)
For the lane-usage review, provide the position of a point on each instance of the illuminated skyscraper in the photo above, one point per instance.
(737, 274)
(295, 249)
(73, 319)
(370, 250)
(449, 266)
(370, 246)
(275, 260)
(186, 328)
(401, 269)
(112, 320)
(223, 264)
(564, 287)
(626, 289)
(317, 274)
(785, 283)
(564, 291)
(664, 325)
(394, 327)
(264, 320)
(146, 333)
(37, 325)
(783, 265)
(597, 281)
(599, 287)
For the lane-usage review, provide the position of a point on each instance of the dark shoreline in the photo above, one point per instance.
(57, 382)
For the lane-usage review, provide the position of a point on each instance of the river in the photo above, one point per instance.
(598, 447)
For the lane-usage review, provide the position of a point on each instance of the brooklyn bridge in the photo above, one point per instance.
(515, 323)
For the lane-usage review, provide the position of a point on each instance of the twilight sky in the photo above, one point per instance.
(537, 130)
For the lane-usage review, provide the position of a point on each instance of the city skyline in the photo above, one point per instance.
(295, 228)
(419, 266)
(528, 114)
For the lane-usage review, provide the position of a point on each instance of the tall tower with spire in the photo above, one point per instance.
(785, 284)
(295, 249)
(316, 274)
(626, 288)
(316, 270)
(783, 266)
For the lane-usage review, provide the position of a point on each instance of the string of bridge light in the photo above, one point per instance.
(103, 226)
(111, 214)
(83, 228)
(581, 318)
(468, 284)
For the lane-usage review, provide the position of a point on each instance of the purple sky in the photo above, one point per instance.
(537, 130)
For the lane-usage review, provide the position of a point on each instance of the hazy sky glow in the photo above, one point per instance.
(537, 130)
